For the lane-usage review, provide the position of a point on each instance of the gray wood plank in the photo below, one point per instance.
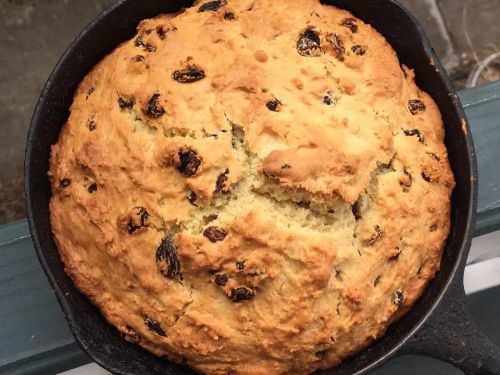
(50, 362)
(482, 105)
(32, 321)
(35, 339)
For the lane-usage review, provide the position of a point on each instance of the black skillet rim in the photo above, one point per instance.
(462, 252)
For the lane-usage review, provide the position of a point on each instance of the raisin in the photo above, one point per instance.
(189, 162)
(208, 219)
(189, 75)
(161, 32)
(415, 106)
(337, 44)
(90, 91)
(359, 49)
(192, 197)
(220, 185)
(309, 43)
(154, 110)
(320, 354)
(65, 182)
(154, 326)
(330, 211)
(376, 236)
(144, 215)
(137, 219)
(398, 297)
(215, 234)
(126, 103)
(286, 166)
(221, 279)
(426, 177)
(434, 156)
(406, 184)
(273, 105)
(240, 265)
(433, 228)
(241, 294)
(350, 23)
(396, 256)
(328, 99)
(229, 16)
(91, 124)
(415, 133)
(138, 58)
(377, 280)
(355, 208)
(166, 259)
(138, 40)
(92, 188)
(212, 6)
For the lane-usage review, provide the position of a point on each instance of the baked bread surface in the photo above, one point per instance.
(252, 187)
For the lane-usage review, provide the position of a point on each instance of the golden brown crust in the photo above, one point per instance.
(258, 188)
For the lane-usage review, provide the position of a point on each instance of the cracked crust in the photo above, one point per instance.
(252, 187)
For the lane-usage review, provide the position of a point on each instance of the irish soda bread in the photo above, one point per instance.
(252, 187)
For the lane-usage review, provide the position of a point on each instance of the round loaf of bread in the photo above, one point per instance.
(252, 187)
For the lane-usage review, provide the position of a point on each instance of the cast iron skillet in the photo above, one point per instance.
(438, 325)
